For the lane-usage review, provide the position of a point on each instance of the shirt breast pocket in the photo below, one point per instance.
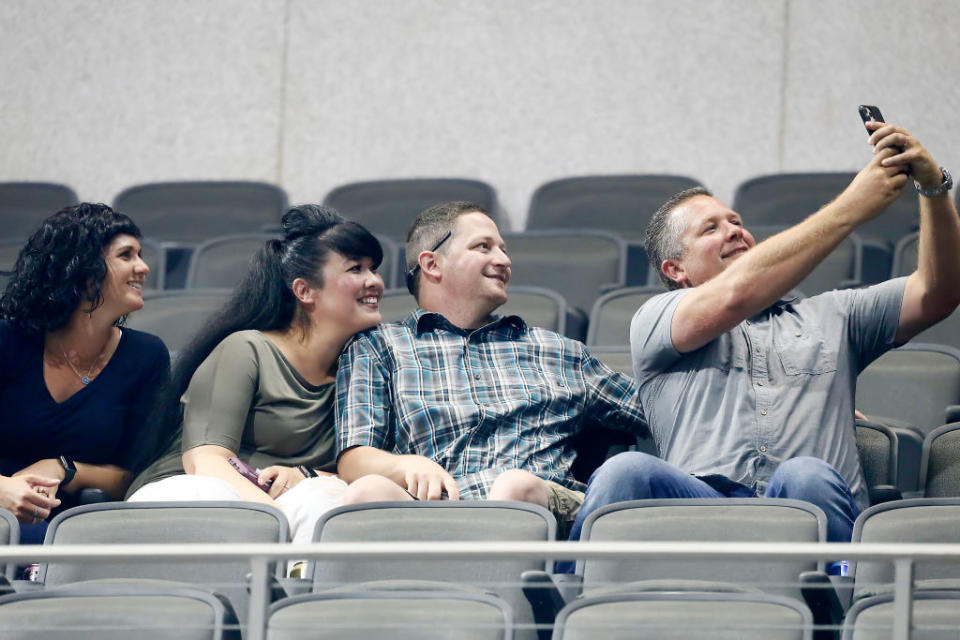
(806, 352)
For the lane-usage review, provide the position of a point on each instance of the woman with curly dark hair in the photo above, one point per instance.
(256, 387)
(75, 387)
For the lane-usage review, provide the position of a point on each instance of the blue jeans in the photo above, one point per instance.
(635, 476)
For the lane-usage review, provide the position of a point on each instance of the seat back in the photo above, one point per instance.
(703, 520)
(166, 523)
(389, 207)
(406, 614)
(934, 616)
(940, 463)
(463, 521)
(788, 198)
(155, 257)
(622, 204)
(24, 205)
(616, 358)
(177, 317)
(191, 212)
(9, 251)
(118, 610)
(612, 312)
(877, 447)
(935, 520)
(669, 616)
(578, 265)
(914, 384)
(9, 534)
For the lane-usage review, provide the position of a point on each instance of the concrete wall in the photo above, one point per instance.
(102, 94)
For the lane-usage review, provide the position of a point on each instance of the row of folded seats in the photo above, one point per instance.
(179, 216)
(614, 595)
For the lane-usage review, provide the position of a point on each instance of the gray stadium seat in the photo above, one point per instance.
(678, 616)
(191, 212)
(24, 205)
(788, 198)
(877, 446)
(904, 263)
(612, 312)
(622, 204)
(702, 520)
(167, 523)
(617, 358)
(9, 534)
(919, 520)
(935, 616)
(940, 466)
(221, 263)
(388, 207)
(407, 614)
(579, 265)
(915, 384)
(9, 250)
(486, 521)
(177, 317)
(118, 610)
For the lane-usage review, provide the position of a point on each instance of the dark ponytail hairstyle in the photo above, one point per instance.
(264, 299)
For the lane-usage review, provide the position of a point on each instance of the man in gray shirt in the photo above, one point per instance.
(750, 392)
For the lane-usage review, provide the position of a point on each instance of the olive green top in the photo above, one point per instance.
(246, 397)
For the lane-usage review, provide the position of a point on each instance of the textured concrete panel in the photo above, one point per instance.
(897, 56)
(105, 93)
(519, 93)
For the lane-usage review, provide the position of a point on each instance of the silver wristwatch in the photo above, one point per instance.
(944, 186)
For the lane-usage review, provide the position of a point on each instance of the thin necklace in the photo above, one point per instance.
(85, 379)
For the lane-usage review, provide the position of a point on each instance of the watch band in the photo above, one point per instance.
(944, 186)
(69, 470)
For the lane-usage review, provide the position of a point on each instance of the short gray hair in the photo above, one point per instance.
(428, 229)
(662, 238)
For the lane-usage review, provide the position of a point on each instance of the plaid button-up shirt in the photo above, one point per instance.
(478, 402)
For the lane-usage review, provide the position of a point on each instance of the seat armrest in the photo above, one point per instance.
(884, 493)
(821, 596)
(952, 414)
(26, 586)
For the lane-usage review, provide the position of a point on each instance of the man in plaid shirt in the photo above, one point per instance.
(456, 402)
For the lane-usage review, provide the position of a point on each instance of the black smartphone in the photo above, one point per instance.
(869, 113)
(248, 472)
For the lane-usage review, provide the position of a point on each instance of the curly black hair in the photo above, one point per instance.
(62, 266)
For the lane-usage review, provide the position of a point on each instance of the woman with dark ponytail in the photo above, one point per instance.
(258, 384)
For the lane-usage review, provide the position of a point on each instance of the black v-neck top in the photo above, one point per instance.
(102, 423)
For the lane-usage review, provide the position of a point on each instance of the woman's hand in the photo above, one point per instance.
(284, 479)
(29, 497)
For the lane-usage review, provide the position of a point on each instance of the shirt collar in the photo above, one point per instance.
(423, 321)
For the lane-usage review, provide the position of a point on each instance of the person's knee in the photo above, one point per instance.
(521, 486)
(373, 488)
(806, 476)
(628, 476)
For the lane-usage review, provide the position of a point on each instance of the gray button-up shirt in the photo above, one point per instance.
(777, 386)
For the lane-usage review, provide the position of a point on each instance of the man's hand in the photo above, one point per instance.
(873, 189)
(27, 496)
(426, 479)
(284, 479)
(909, 155)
